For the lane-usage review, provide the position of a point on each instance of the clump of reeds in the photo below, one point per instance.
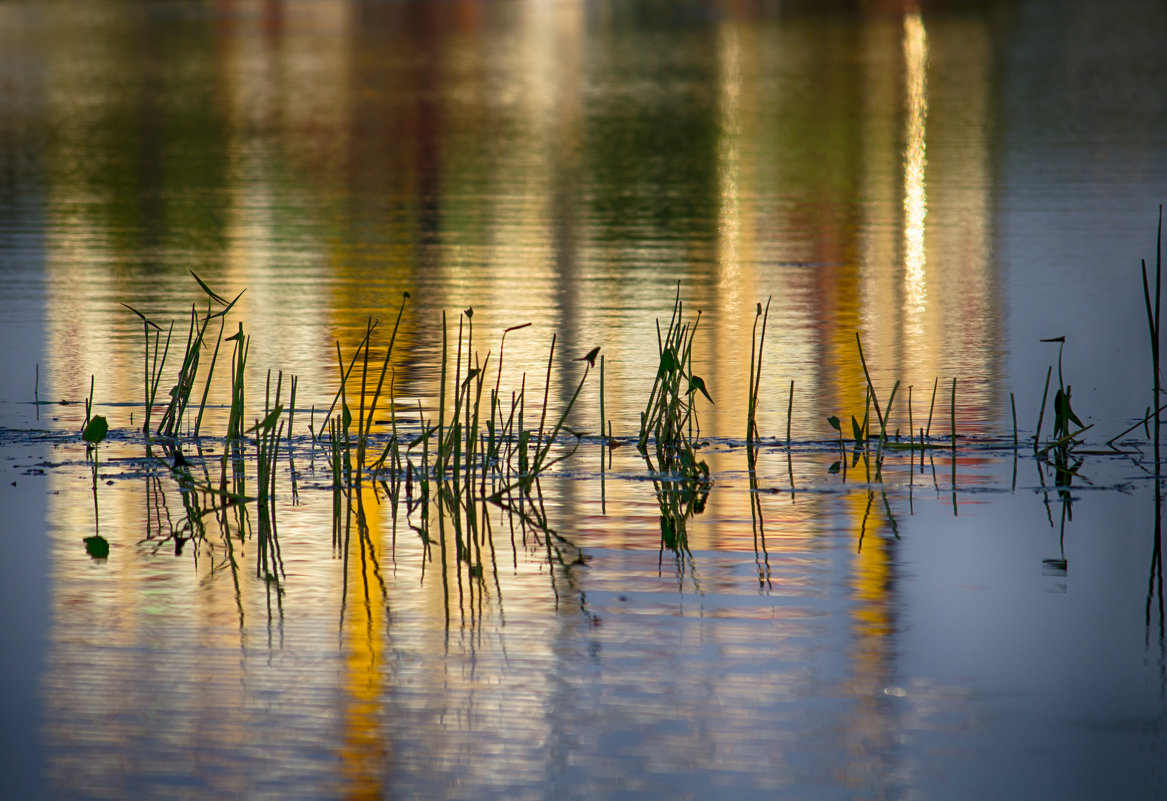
(670, 417)
(1064, 413)
(342, 441)
(882, 417)
(268, 433)
(171, 423)
(470, 452)
(860, 431)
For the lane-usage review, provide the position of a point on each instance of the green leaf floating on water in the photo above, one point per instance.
(96, 430)
(834, 468)
(97, 547)
(698, 383)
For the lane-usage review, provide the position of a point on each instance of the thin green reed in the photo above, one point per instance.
(1153, 326)
(952, 415)
(789, 412)
(1013, 406)
(222, 315)
(147, 323)
(471, 372)
(362, 425)
(546, 392)
(345, 375)
(345, 418)
(450, 440)
(1041, 410)
(542, 452)
(754, 389)
(238, 367)
(292, 409)
(210, 373)
(472, 430)
(602, 418)
(439, 466)
(172, 418)
(932, 406)
(425, 453)
(498, 380)
(267, 434)
(156, 372)
(879, 416)
(911, 429)
(385, 367)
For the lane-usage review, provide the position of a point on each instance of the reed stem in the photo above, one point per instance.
(789, 412)
(1013, 406)
(931, 406)
(1041, 412)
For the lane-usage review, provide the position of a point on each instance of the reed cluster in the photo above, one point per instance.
(669, 421)
(477, 446)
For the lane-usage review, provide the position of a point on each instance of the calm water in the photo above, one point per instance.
(953, 186)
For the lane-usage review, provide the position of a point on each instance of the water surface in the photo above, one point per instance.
(952, 185)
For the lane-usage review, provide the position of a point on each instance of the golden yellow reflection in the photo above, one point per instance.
(365, 639)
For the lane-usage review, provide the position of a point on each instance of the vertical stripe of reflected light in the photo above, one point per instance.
(729, 158)
(915, 163)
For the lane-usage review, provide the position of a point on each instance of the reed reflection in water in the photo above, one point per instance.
(458, 666)
(420, 657)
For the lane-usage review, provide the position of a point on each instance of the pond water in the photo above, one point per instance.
(952, 185)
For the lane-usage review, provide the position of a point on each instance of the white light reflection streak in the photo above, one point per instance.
(729, 158)
(915, 162)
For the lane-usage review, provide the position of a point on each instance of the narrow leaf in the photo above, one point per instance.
(668, 363)
(1070, 412)
(589, 357)
(697, 383)
(223, 311)
(218, 299)
(145, 319)
(268, 422)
